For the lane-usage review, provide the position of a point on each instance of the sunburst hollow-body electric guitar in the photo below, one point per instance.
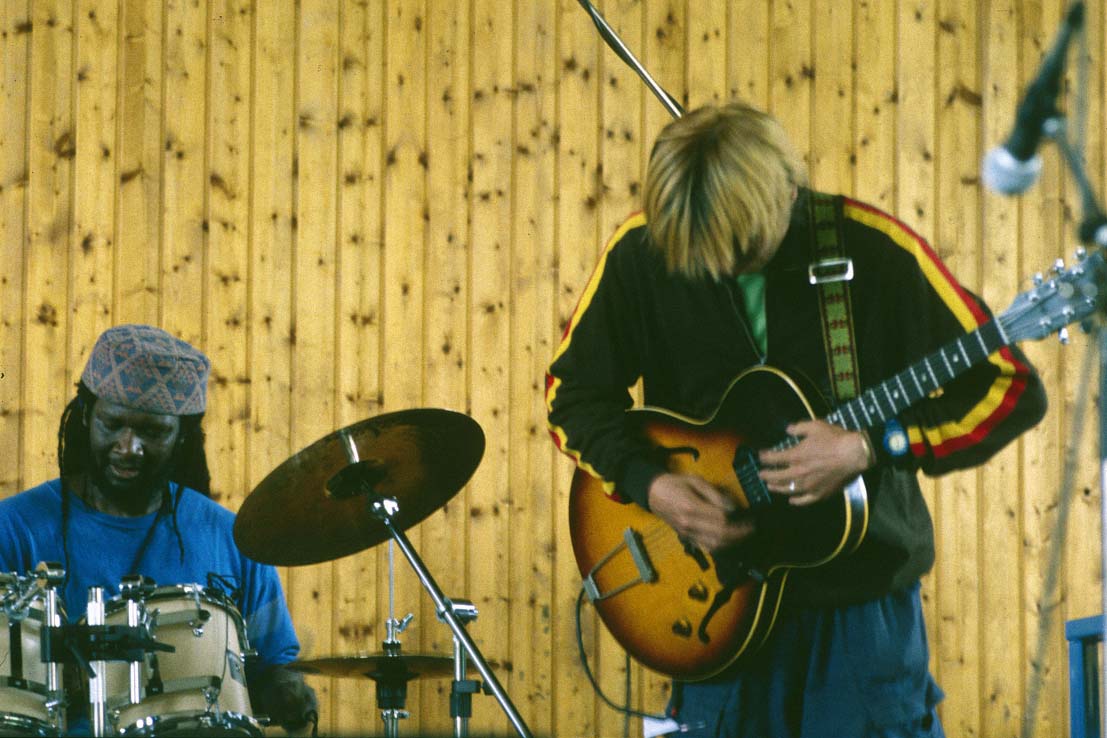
(690, 615)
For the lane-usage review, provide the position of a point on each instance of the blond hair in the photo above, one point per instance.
(719, 190)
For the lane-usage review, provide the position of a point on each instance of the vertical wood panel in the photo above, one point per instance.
(446, 347)
(914, 183)
(272, 120)
(618, 193)
(957, 241)
(91, 250)
(183, 168)
(791, 71)
(576, 243)
(139, 144)
(356, 588)
(44, 369)
(227, 228)
(405, 283)
(533, 310)
(491, 496)
(1000, 684)
(310, 591)
(832, 153)
(15, 48)
(707, 53)
(876, 106)
(362, 207)
(748, 52)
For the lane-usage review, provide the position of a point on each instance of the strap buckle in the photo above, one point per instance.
(830, 270)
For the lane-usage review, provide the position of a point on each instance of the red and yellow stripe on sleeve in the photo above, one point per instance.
(553, 383)
(1001, 397)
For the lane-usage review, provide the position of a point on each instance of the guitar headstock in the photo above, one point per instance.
(1057, 299)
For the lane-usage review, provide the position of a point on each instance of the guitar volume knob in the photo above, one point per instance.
(683, 628)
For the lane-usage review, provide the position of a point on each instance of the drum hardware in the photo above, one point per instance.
(91, 645)
(200, 687)
(132, 589)
(32, 697)
(97, 693)
(326, 502)
(462, 689)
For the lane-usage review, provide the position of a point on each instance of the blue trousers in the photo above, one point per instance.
(852, 672)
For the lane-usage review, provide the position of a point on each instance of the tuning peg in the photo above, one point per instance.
(1058, 266)
(1080, 253)
(1063, 336)
(1037, 279)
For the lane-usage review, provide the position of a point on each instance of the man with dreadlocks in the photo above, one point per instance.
(133, 497)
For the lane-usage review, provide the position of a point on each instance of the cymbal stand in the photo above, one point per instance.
(462, 690)
(385, 510)
(392, 693)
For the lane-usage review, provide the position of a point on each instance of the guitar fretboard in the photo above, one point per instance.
(878, 404)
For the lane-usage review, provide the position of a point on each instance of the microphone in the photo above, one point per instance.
(1012, 167)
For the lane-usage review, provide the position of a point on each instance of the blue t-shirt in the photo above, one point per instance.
(103, 547)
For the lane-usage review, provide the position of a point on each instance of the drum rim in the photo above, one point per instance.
(25, 722)
(173, 591)
(185, 591)
(24, 685)
(151, 724)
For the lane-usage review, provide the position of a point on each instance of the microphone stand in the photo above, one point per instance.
(624, 53)
(1092, 232)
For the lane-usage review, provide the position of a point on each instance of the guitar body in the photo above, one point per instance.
(675, 609)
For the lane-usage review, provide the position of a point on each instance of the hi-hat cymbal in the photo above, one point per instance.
(420, 457)
(379, 666)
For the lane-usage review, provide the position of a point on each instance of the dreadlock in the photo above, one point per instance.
(188, 466)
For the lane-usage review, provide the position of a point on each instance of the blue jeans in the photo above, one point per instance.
(852, 672)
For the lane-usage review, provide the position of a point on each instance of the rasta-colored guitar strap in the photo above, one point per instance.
(831, 271)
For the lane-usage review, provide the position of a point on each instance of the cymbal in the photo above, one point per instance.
(379, 666)
(419, 457)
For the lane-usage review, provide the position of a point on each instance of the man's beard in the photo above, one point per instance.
(134, 494)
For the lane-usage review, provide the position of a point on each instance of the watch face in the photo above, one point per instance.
(896, 442)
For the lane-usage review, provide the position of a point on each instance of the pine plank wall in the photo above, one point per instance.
(360, 206)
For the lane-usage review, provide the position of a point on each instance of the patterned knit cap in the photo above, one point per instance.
(145, 368)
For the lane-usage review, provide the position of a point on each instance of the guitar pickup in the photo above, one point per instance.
(748, 471)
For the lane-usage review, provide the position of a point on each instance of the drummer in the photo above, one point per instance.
(133, 497)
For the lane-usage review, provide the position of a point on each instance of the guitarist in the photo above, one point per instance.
(711, 279)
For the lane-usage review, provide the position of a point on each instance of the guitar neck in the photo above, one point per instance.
(878, 404)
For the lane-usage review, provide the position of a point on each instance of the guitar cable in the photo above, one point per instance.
(625, 709)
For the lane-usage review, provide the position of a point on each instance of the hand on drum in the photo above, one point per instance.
(285, 698)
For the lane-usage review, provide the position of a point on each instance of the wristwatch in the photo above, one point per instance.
(895, 438)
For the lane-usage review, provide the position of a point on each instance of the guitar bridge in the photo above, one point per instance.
(633, 545)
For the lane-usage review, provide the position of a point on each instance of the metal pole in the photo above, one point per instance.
(97, 697)
(134, 619)
(55, 697)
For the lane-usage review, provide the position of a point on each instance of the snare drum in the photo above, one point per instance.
(200, 689)
(25, 707)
